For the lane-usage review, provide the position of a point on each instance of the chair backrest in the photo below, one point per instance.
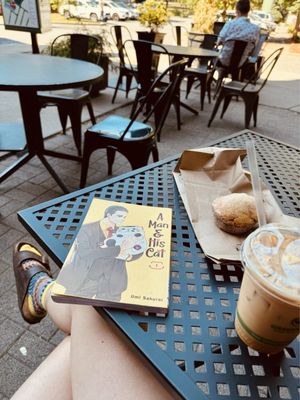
(218, 25)
(196, 38)
(237, 52)
(209, 41)
(263, 37)
(119, 34)
(79, 46)
(260, 77)
(147, 61)
(164, 100)
(204, 40)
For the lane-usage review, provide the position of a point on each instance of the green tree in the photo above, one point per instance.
(281, 8)
(204, 16)
(294, 8)
(213, 6)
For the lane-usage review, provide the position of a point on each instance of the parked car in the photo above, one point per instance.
(258, 21)
(83, 9)
(254, 18)
(133, 12)
(267, 18)
(117, 12)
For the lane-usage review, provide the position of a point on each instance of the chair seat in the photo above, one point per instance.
(113, 126)
(132, 68)
(237, 85)
(201, 69)
(70, 94)
(12, 136)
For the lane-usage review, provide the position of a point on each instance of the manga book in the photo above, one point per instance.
(119, 258)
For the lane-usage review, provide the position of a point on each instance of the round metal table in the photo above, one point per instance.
(27, 74)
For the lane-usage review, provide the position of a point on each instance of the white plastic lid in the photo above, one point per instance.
(271, 254)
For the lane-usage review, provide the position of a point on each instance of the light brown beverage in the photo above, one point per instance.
(267, 315)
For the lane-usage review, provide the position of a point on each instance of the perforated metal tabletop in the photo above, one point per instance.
(195, 348)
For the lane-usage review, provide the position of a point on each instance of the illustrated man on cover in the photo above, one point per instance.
(101, 260)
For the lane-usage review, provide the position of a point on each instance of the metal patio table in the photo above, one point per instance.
(191, 52)
(195, 348)
(27, 74)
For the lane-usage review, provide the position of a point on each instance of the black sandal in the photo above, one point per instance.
(23, 276)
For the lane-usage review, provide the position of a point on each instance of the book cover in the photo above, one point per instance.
(119, 258)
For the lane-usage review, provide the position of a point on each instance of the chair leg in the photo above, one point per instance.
(91, 112)
(116, 89)
(216, 106)
(110, 153)
(202, 91)
(177, 110)
(155, 153)
(255, 111)
(140, 161)
(189, 84)
(75, 117)
(218, 85)
(87, 151)
(227, 100)
(128, 84)
(208, 87)
(63, 117)
(221, 76)
(135, 104)
(250, 103)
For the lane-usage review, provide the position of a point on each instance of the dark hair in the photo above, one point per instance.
(113, 209)
(243, 6)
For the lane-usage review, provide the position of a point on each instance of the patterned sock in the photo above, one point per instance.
(38, 287)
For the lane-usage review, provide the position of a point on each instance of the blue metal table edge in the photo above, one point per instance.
(150, 351)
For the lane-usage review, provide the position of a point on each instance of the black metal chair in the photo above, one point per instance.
(119, 34)
(235, 63)
(147, 69)
(71, 101)
(255, 58)
(218, 26)
(248, 91)
(135, 140)
(202, 71)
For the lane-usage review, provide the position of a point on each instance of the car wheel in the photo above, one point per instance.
(67, 14)
(115, 17)
(93, 17)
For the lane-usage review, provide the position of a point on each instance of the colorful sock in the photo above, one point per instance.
(36, 294)
(38, 287)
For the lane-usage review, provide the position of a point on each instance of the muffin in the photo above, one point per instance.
(235, 213)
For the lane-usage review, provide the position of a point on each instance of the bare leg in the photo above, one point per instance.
(97, 362)
(61, 314)
(103, 366)
(51, 380)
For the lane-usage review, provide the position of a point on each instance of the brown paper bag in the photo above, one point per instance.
(202, 175)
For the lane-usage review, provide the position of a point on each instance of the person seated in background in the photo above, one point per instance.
(239, 28)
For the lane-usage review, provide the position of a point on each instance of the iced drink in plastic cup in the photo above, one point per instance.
(267, 315)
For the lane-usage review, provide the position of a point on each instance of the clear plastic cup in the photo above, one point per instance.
(267, 315)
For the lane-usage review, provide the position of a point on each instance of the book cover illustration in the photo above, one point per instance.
(120, 258)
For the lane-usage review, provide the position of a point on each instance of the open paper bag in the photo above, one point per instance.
(202, 175)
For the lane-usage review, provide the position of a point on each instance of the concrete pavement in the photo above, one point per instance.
(23, 347)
